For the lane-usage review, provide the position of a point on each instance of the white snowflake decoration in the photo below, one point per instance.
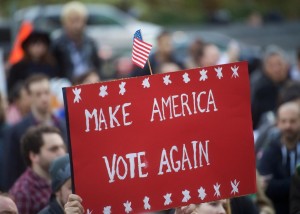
(103, 91)
(235, 186)
(186, 78)
(89, 212)
(146, 203)
(202, 193)
(186, 196)
(203, 74)
(168, 200)
(167, 80)
(217, 190)
(219, 72)
(77, 92)
(107, 210)
(146, 83)
(235, 71)
(122, 88)
(127, 206)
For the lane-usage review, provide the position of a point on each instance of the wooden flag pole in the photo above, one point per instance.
(150, 67)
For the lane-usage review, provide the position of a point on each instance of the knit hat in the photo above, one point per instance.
(60, 172)
(35, 36)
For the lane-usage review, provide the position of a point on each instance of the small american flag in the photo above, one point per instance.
(140, 50)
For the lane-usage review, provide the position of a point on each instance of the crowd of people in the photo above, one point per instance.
(35, 174)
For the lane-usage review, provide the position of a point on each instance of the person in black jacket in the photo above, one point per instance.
(295, 193)
(75, 52)
(267, 83)
(37, 59)
(278, 161)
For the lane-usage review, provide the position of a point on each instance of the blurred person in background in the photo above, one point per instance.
(263, 203)
(295, 70)
(211, 55)
(7, 205)
(19, 104)
(37, 59)
(61, 184)
(232, 54)
(87, 78)
(3, 128)
(38, 88)
(195, 51)
(123, 67)
(268, 131)
(168, 67)
(163, 54)
(243, 205)
(214, 207)
(266, 83)
(40, 146)
(278, 162)
(295, 192)
(75, 52)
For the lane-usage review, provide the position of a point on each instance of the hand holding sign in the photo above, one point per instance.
(161, 141)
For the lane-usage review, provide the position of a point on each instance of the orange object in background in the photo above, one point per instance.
(17, 52)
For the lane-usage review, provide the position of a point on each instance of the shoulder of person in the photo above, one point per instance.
(58, 38)
(45, 210)
(23, 125)
(19, 65)
(89, 39)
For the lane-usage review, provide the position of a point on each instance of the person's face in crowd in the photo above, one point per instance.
(2, 108)
(7, 205)
(37, 50)
(288, 121)
(40, 96)
(215, 207)
(52, 148)
(164, 45)
(63, 193)
(169, 67)
(74, 24)
(91, 78)
(210, 57)
(23, 103)
(276, 68)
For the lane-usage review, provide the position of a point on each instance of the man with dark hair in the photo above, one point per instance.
(61, 184)
(38, 88)
(40, 146)
(19, 104)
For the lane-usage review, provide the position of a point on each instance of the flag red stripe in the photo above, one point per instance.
(139, 60)
(140, 52)
(136, 48)
(142, 48)
(138, 63)
(144, 44)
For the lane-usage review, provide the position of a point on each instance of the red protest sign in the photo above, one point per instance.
(161, 141)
